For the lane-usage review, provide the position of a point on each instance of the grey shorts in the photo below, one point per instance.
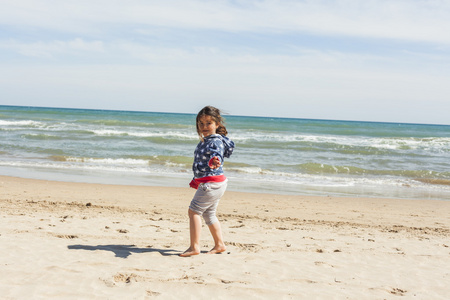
(206, 200)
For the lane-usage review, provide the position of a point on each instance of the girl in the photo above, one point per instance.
(209, 179)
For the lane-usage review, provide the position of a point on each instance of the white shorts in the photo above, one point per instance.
(206, 200)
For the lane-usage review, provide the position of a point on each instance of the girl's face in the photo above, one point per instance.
(207, 125)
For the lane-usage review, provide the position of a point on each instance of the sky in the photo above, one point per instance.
(371, 60)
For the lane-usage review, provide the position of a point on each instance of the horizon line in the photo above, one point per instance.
(232, 115)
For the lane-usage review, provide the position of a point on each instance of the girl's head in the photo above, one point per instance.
(210, 115)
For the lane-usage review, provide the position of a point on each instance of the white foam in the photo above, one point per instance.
(108, 161)
(329, 181)
(110, 132)
(389, 143)
(20, 123)
(82, 167)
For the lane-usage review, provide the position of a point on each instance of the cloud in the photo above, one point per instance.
(418, 21)
(50, 49)
(339, 59)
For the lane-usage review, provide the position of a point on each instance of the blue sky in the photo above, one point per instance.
(349, 60)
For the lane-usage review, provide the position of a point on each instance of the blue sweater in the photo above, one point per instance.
(215, 145)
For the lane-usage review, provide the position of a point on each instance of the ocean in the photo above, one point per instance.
(272, 155)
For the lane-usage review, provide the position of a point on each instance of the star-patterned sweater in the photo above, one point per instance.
(215, 145)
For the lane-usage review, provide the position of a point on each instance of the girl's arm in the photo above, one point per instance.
(216, 150)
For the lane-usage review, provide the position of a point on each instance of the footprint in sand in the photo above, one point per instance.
(127, 278)
(397, 291)
(66, 236)
(322, 263)
(246, 247)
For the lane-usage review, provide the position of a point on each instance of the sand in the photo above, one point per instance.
(89, 241)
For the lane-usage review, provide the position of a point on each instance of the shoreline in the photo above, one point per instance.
(181, 180)
(52, 190)
(114, 241)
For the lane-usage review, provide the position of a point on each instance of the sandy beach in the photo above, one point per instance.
(63, 240)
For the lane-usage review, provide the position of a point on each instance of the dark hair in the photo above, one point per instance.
(214, 113)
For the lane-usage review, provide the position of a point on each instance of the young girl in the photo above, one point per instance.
(209, 179)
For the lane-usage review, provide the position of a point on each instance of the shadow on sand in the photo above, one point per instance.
(123, 251)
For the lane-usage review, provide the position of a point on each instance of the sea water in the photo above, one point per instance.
(272, 155)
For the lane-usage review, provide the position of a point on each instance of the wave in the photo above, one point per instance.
(42, 137)
(316, 168)
(276, 181)
(434, 181)
(21, 123)
(345, 140)
(127, 123)
(109, 132)
(332, 170)
(244, 138)
(182, 161)
(79, 167)
(302, 183)
(276, 150)
(440, 144)
(106, 161)
(156, 165)
(30, 151)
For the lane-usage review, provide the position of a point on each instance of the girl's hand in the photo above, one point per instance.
(214, 162)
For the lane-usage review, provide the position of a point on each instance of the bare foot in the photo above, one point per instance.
(217, 249)
(189, 252)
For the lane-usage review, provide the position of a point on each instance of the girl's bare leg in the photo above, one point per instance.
(216, 232)
(195, 228)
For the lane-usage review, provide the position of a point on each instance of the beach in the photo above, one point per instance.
(62, 240)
